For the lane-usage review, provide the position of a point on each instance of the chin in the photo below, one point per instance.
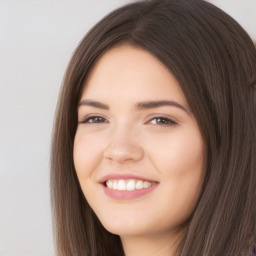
(126, 226)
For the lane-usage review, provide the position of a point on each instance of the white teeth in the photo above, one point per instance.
(139, 184)
(115, 185)
(121, 185)
(109, 184)
(146, 184)
(129, 185)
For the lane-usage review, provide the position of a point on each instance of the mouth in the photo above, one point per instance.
(128, 185)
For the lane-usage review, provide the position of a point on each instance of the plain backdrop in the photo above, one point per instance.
(37, 38)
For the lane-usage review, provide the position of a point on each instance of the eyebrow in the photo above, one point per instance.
(93, 103)
(161, 103)
(139, 106)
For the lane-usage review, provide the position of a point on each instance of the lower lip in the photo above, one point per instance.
(128, 195)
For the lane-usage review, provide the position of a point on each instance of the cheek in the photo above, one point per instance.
(178, 154)
(180, 161)
(86, 154)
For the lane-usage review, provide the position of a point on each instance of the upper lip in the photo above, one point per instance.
(124, 177)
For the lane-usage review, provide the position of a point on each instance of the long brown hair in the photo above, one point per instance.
(214, 61)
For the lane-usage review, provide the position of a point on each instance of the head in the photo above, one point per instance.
(213, 61)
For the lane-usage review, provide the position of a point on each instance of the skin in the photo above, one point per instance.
(161, 143)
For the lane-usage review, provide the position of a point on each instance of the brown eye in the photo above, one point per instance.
(94, 120)
(162, 121)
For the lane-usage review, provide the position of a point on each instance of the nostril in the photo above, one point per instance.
(123, 153)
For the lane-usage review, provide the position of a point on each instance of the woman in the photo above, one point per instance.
(154, 144)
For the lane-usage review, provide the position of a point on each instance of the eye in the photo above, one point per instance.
(94, 120)
(162, 121)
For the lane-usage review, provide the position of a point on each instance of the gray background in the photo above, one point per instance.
(37, 38)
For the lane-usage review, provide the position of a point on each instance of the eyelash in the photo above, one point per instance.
(158, 120)
(89, 119)
(164, 121)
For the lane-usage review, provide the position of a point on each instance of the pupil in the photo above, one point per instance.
(161, 121)
(98, 119)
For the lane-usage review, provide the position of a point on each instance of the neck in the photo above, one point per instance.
(151, 245)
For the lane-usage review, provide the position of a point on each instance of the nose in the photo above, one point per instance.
(124, 147)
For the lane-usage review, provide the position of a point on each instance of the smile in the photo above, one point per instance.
(127, 188)
(128, 185)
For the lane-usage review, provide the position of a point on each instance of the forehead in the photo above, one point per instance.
(126, 71)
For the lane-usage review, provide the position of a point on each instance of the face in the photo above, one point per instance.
(138, 151)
